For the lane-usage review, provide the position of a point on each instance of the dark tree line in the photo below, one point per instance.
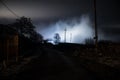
(25, 28)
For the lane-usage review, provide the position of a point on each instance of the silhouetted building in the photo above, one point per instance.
(8, 43)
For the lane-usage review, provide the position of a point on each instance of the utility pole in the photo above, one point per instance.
(70, 37)
(95, 25)
(65, 35)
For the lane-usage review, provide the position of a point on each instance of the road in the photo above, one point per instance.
(53, 65)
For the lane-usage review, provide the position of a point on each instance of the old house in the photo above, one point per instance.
(8, 44)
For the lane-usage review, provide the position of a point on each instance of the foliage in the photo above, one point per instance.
(57, 38)
(36, 37)
(25, 27)
(89, 41)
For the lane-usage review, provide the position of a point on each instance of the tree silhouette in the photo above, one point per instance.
(57, 38)
(24, 26)
(36, 37)
(89, 41)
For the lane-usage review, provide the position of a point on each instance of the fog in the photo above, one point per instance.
(77, 29)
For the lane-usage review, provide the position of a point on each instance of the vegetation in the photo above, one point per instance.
(57, 38)
(89, 41)
(25, 28)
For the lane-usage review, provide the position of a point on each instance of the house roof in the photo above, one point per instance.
(7, 30)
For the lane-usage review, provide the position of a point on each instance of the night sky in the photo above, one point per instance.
(45, 13)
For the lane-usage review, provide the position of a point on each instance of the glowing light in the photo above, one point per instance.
(79, 28)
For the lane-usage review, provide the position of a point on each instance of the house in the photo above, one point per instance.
(8, 43)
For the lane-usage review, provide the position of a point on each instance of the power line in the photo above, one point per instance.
(9, 9)
(70, 37)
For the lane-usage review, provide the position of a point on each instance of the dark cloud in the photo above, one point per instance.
(49, 8)
(108, 11)
(110, 32)
(46, 12)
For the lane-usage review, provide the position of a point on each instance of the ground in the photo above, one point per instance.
(50, 64)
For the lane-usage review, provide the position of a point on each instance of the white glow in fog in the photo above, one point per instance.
(77, 30)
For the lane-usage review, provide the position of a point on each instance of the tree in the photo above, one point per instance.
(36, 37)
(57, 38)
(24, 26)
(89, 41)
